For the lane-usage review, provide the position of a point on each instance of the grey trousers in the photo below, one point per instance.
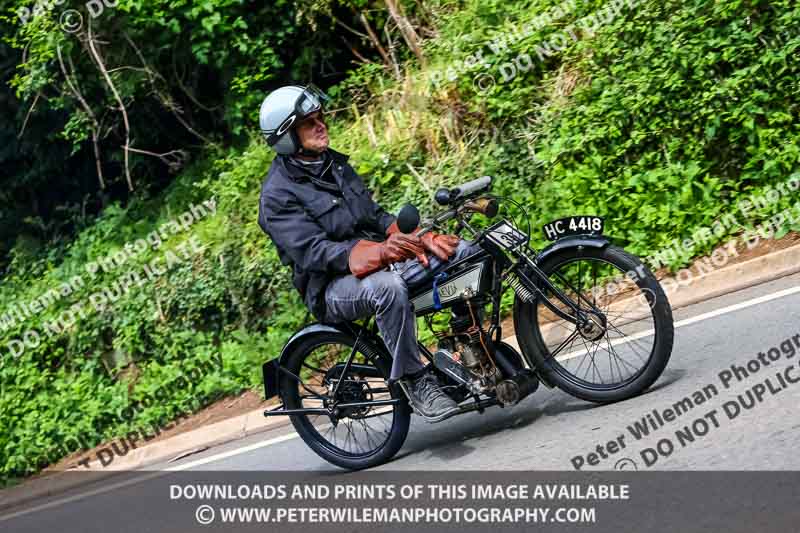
(385, 294)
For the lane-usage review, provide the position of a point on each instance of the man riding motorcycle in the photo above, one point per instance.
(349, 258)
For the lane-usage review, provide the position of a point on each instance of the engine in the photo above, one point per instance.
(468, 344)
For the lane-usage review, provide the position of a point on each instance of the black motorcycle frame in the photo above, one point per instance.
(522, 263)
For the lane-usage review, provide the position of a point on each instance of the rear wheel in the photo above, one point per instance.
(350, 437)
(626, 345)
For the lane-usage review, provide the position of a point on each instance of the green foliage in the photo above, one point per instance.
(661, 121)
(188, 74)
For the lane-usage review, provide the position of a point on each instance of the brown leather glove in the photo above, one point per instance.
(367, 257)
(442, 246)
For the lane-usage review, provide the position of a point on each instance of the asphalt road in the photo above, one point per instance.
(550, 430)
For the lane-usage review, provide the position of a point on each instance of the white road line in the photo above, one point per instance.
(231, 453)
(738, 307)
(694, 319)
(282, 438)
(146, 477)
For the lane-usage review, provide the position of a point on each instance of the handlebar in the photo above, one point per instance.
(472, 186)
(408, 217)
(448, 196)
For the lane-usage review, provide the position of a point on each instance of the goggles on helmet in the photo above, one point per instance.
(309, 101)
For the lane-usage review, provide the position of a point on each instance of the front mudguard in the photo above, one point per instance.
(271, 369)
(573, 241)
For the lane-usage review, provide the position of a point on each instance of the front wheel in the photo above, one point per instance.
(357, 437)
(626, 344)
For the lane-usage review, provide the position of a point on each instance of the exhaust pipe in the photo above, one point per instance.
(512, 390)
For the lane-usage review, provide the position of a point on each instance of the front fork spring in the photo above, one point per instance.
(522, 291)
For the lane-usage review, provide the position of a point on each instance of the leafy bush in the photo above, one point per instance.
(661, 121)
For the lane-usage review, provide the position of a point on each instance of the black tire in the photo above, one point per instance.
(641, 291)
(311, 427)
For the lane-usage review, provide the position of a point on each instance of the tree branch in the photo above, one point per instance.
(391, 50)
(351, 30)
(354, 51)
(122, 108)
(186, 89)
(128, 68)
(25, 123)
(95, 126)
(419, 178)
(406, 29)
(167, 100)
(377, 44)
(174, 159)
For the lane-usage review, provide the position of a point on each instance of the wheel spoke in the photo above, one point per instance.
(569, 339)
(630, 341)
(358, 431)
(617, 311)
(313, 368)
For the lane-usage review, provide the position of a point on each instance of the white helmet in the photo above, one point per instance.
(282, 109)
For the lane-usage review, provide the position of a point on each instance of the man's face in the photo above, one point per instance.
(313, 133)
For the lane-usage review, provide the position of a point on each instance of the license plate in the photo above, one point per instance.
(505, 235)
(576, 225)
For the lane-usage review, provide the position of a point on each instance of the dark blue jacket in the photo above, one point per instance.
(314, 225)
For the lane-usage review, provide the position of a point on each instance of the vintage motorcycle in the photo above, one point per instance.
(589, 318)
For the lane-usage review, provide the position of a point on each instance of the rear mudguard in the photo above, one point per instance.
(270, 369)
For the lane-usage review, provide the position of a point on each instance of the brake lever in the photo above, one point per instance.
(432, 223)
(426, 226)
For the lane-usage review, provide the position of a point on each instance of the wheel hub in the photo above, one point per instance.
(352, 392)
(594, 328)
